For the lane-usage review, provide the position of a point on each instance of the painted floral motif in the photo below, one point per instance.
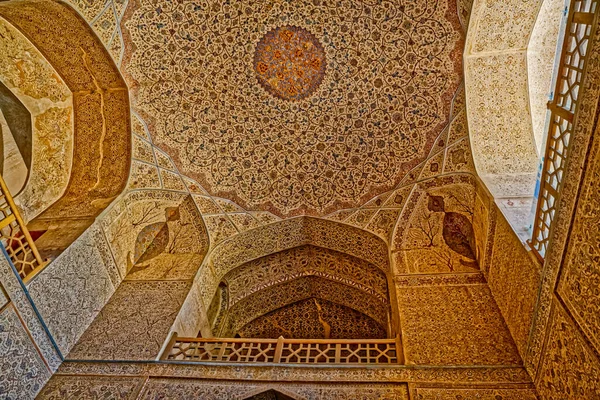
(391, 71)
(290, 63)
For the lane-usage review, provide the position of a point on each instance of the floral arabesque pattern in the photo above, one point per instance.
(290, 63)
(391, 72)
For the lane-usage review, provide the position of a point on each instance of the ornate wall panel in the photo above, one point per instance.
(443, 376)
(496, 82)
(484, 223)
(193, 318)
(23, 369)
(171, 248)
(302, 261)
(134, 323)
(104, 18)
(30, 320)
(453, 325)
(569, 368)
(478, 394)
(92, 387)
(182, 389)
(501, 135)
(127, 217)
(71, 291)
(580, 276)
(514, 279)
(277, 296)
(290, 233)
(501, 25)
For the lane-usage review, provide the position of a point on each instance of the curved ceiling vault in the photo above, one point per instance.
(314, 319)
(297, 108)
(333, 293)
(303, 255)
(295, 292)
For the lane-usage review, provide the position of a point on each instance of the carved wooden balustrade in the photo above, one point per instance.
(15, 237)
(285, 351)
(563, 113)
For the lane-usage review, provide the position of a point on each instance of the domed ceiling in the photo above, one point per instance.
(294, 107)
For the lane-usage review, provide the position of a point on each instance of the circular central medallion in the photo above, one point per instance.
(290, 62)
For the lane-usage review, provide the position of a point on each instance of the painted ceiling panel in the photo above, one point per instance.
(296, 108)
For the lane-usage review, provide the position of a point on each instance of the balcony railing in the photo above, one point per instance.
(285, 351)
(563, 110)
(15, 237)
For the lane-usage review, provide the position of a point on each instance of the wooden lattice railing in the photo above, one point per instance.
(285, 351)
(15, 237)
(563, 110)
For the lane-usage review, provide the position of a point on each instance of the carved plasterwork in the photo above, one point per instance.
(295, 232)
(114, 388)
(29, 317)
(71, 291)
(496, 81)
(145, 309)
(569, 369)
(19, 359)
(501, 132)
(101, 146)
(580, 276)
(156, 235)
(479, 394)
(514, 279)
(438, 375)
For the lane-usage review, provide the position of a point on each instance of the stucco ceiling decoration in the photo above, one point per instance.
(391, 70)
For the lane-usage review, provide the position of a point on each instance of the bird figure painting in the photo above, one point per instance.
(457, 230)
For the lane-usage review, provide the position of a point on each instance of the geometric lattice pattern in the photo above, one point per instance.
(286, 351)
(562, 114)
(14, 236)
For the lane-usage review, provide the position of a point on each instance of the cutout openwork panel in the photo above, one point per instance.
(285, 351)
(563, 114)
